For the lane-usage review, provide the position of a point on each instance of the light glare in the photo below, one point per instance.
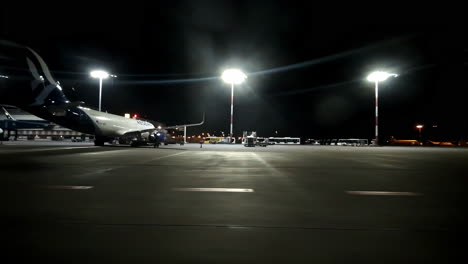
(100, 74)
(379, 76)
(233, 76)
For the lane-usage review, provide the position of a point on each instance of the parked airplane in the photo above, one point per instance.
(26, 82)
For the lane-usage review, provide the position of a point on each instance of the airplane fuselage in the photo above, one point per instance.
(110, 125)
(89, 121)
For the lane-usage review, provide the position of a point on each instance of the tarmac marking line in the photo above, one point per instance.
(104, 152)
(79, 147)
(68, 187)
(212, 190)
(167, 156)
(383, 193)
(43, 149)
(95, 172)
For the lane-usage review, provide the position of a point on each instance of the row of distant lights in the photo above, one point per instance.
(233, 76)
(236, 76)
(202, 137)
(422, 126)
(95, 74)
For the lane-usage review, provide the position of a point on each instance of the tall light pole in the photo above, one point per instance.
(376, 77)
(233, 76)
(419, 127)
(101, 75)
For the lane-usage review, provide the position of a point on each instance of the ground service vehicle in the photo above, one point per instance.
(250, 141)
(213, 140)
(352, 142)
(262, 142)
(284, 140)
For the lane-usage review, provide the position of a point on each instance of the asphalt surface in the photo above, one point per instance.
(75, 203)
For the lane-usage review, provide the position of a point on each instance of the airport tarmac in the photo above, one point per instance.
(74, 202)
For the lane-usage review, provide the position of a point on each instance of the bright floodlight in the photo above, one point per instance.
(379, 76)
(233, 76)
(99, 74)
(419, 126)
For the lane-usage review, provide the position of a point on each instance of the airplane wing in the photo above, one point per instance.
(187, 125)
(151, 130)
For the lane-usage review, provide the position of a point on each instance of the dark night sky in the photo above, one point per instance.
(328, 97)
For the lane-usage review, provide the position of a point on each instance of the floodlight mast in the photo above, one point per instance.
(99, 74)
(233, 76)
(376, 77)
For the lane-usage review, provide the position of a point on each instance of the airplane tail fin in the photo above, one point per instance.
(25, 79)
